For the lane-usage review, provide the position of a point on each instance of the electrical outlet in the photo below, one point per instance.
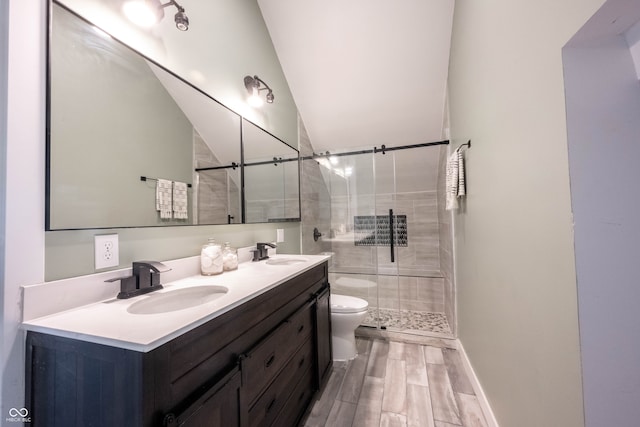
(280, 235)
(106, 251)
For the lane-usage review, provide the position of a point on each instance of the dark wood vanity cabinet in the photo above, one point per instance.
(324, 350)
(259, 364)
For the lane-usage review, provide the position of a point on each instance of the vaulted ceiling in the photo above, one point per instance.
(365, 72)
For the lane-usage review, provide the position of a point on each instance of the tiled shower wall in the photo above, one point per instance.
(403, 292)
(421, 256)
(420, 286)
(445, 233)
(315, 202)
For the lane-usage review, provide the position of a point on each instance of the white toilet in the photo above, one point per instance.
(346, 314)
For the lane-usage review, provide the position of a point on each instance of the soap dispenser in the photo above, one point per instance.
(211, 258)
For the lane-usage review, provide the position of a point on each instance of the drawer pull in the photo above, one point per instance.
(301, 362)
(270, 361)
(271, 405)
(300, 328)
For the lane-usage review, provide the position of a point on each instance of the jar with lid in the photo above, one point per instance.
(229, 257)
(211, 258)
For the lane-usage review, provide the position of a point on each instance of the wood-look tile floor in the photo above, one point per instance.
(397, 384)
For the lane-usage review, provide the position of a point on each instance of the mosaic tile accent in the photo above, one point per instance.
(408, 319)
(374, 230)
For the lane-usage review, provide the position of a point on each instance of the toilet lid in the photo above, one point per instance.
(347, 304)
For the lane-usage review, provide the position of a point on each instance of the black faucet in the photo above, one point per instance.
(261, 252)
(145, 278)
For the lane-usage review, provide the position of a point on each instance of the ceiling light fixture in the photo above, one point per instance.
(254, 86)
(146, 13)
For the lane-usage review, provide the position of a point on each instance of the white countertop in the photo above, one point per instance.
(108, 322)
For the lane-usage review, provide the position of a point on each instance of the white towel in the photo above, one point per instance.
(455, 185)
(180, 200)
(462, 190)
(163, 198)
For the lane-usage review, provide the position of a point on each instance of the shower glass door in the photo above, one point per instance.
(354, 264)
(386, 224)
(391, 235)
(409, 278)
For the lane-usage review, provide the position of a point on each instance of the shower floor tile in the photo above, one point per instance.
(408, 319)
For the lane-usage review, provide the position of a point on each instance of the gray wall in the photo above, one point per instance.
(603, 120)
(515, 269)
(157, 243)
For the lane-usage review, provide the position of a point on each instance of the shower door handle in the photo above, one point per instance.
(391, 237)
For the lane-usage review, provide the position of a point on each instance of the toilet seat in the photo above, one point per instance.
(347, 304)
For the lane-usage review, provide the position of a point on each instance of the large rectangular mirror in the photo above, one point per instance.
(121, 129)
(271, 176)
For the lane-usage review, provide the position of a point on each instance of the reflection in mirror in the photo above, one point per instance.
(271, 176)
(116, 117)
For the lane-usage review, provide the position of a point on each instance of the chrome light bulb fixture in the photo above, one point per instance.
(254, 86)
(146, 13)
(181, 19)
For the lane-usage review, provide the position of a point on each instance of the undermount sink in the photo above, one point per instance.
(178, 299)
(285, 261)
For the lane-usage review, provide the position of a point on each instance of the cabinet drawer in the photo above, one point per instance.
(218, 406)
(264, 411)
(264, 361)
(296, 405)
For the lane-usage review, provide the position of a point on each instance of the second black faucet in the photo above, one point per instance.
(261, 252)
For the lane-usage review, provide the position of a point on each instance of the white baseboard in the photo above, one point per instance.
(477, 388)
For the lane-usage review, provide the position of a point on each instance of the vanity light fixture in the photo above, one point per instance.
(254, 86)
(146, 13)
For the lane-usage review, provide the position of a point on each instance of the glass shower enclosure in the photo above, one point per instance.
(388, 234)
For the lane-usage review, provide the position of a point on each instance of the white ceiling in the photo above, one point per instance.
(365, 72)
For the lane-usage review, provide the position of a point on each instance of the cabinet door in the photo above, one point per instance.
(218, 406)
(72, 383)
(323, 337)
